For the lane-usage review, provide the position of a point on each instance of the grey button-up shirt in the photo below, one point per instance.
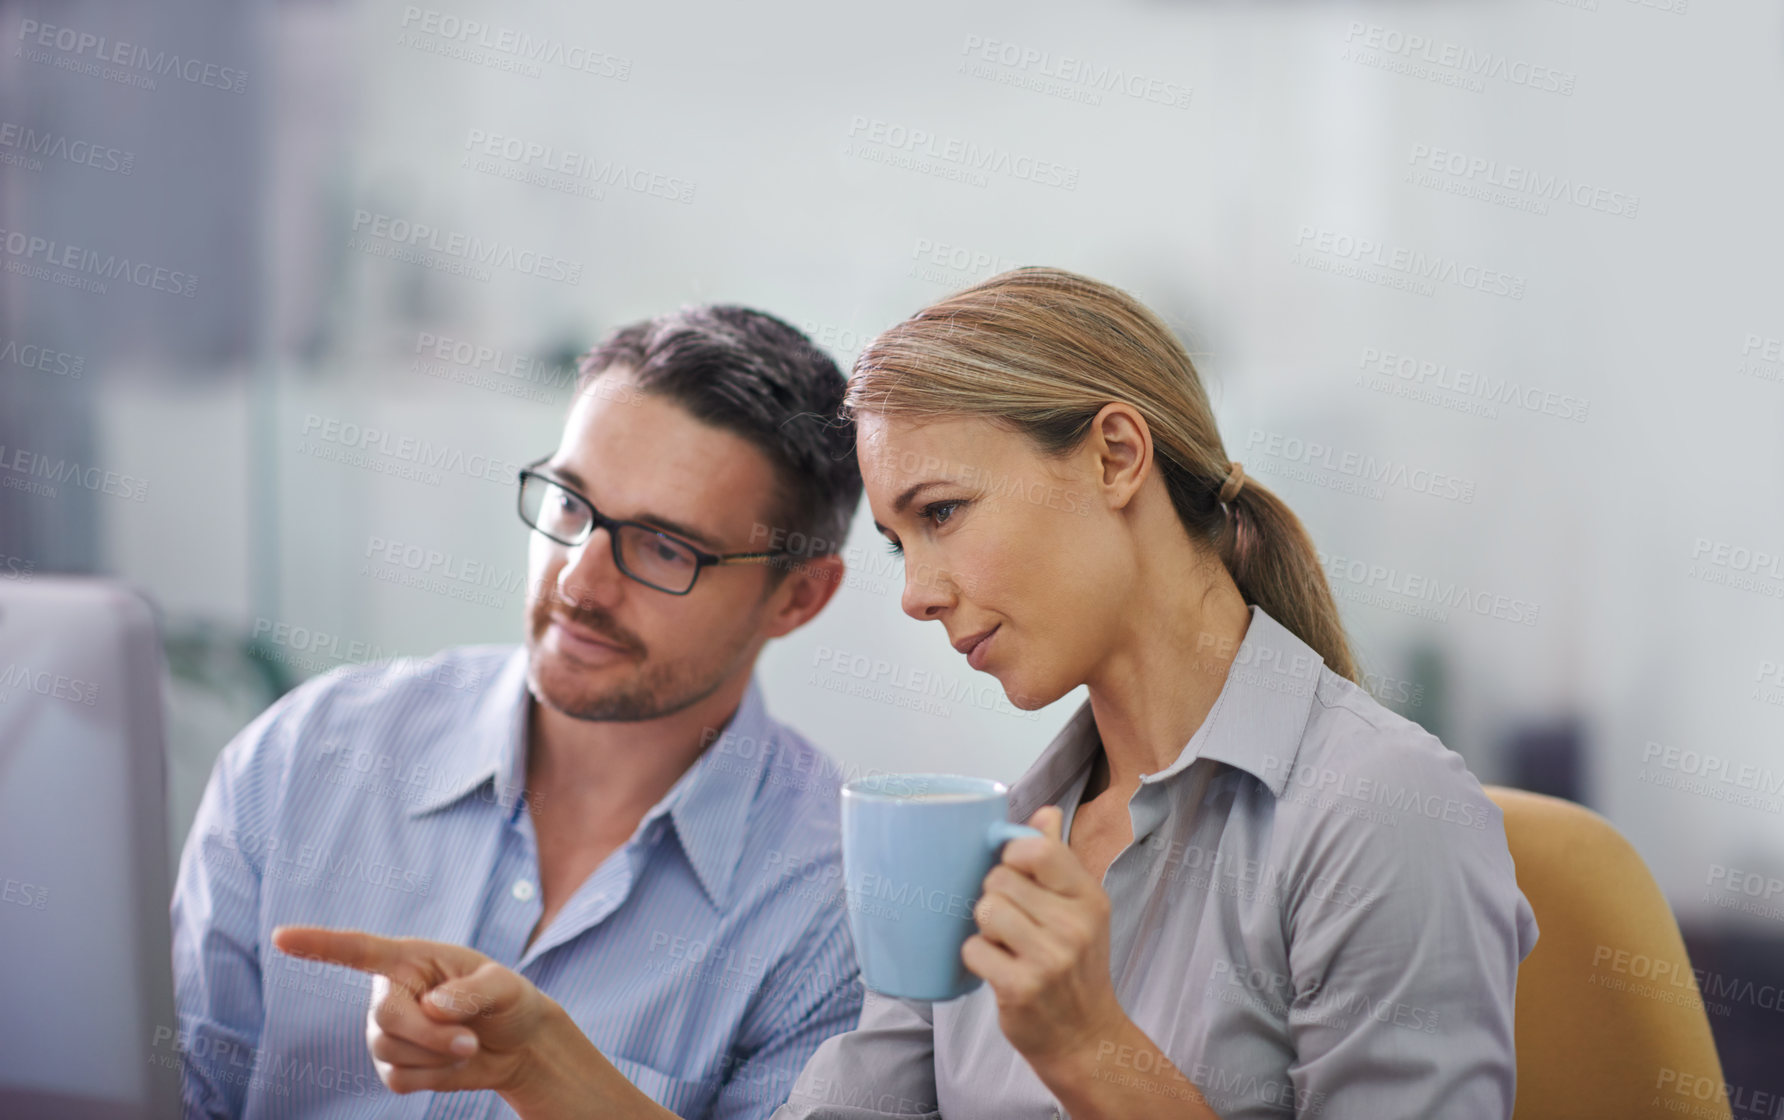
(1317, 916)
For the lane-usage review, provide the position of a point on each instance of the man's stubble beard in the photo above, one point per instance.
(652, 692)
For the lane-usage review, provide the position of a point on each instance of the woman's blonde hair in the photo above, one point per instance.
(1041, 351)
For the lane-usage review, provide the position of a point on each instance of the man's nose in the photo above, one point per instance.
(589, 573)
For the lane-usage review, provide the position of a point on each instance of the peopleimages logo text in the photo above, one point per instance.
(92, 265)
(517, 45)
(1077, 73)
(1409, 262)
(1478, 64)
(963, 155)
(131, 56)
(548, 159)
(26, 141)
(1523, 180)
(420, 235)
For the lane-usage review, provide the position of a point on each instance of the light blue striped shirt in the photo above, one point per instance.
(707, 958)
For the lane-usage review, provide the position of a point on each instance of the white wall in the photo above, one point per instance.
(1200, 210)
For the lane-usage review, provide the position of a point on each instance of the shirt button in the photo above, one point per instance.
(523, 891)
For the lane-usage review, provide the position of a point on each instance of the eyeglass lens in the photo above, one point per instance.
(644, 554)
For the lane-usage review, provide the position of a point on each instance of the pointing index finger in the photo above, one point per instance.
(366, 952)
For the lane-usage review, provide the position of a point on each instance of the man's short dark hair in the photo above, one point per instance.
(756, 376)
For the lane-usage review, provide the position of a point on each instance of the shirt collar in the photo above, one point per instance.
(1257, 722)
(490, 744)
(709, 804)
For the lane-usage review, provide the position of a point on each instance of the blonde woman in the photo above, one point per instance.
(1261, 894)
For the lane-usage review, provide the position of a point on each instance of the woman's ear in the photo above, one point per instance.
(1121, 444)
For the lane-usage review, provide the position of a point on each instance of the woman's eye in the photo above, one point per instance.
(939, 512)
(936, 513)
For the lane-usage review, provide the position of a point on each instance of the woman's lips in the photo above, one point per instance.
(976, 656)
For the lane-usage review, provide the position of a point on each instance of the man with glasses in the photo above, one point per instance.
(605, 817)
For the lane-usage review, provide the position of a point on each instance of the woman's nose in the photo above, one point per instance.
(925, 594)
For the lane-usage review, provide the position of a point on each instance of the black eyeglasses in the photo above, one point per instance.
(643, 552)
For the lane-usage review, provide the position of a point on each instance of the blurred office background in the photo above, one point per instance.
(1523, 260)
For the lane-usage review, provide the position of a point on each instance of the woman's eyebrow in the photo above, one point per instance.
(904, 499)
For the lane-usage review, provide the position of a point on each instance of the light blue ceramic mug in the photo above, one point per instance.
(915, 852)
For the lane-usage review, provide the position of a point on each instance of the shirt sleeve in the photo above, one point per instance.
(1406, 927)
(885, 1067)
(216, 921)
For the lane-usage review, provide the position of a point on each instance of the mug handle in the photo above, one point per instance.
(1002, 832)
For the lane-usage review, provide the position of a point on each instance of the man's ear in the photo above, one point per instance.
(807, 586)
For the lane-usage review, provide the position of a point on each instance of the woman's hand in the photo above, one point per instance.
(1043, 946)
(442, 1017)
